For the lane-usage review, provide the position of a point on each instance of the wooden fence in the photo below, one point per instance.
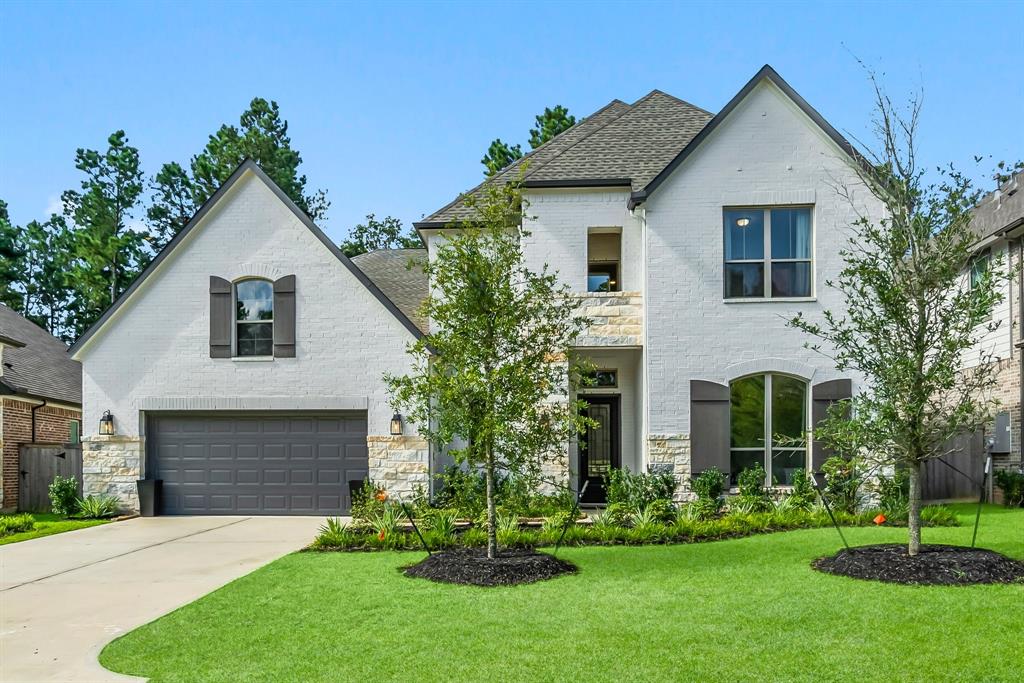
(941, 482)
(38, 464)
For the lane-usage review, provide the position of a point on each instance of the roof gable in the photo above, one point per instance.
(247, 166)
(765, 73)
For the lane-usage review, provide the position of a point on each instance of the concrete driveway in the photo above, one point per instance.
(63, 597)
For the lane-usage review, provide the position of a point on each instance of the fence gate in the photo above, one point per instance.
(38, 464)
(939, 482)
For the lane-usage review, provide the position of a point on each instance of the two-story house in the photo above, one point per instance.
(244, 367)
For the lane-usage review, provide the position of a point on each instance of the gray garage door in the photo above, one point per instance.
(256, 464)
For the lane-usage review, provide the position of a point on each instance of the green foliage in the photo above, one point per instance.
(909, 313)
(894, 494)
(637, 490)
(97, 507)
(546, 126)
(499, 155)
(802, 496)
(442, 522)
(709, 484)
(107, 252)
(369, 500)
(1012, 485)
(491, 371)
(549, 124)
(64, 495)
(379, 234)
(12, 260)
(753, 494)
(843, 481)
(335, 534)
(261, 135)
(14, 524)
(938, 515)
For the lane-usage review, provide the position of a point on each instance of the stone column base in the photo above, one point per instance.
(110, 466)
(671, 452)
(401, 464)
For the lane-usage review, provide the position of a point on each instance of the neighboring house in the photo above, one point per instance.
(999, 224)
(244, 367)
(40, 395)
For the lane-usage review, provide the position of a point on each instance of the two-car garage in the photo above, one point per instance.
(245, 463)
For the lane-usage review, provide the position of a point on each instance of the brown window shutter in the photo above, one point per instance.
(709, 426)
(221, 317)
(823, 395)
(284, 317)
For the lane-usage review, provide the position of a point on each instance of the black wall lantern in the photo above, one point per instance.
(396, 425)
(107, 423)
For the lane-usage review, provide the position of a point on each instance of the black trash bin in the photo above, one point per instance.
(149, 496)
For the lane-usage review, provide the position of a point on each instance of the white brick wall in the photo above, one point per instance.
(156, 349)
(767, 152)
(558, 223)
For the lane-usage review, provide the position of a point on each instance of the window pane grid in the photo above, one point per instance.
(775, 405)
(254, 321)
(768, 252)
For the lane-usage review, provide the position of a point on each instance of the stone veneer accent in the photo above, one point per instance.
(672, 450)
(399, 463)
(111, 465)
(617, 318)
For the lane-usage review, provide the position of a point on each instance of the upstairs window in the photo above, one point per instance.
(254, 318)
(979, 267)
(604, 251)
(768, 252)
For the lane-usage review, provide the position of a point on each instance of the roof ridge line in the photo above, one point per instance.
(679, 100)
(525, 158)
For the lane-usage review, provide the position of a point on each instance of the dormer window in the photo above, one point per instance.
(254, 318)
(604, 254)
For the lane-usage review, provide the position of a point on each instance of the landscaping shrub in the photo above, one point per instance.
(370, 499)
(15, 524)
(64, 496)
(802, 496)
(709, 486)
(938, 515)
(335, 534)
(97, 507)
(753, 494)
(637, 490)
(1012, 485)
(843, 482)
(894, 494)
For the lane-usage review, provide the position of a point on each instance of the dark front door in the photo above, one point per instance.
(600, 448)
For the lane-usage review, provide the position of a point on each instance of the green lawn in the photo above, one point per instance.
(47, 524)
(750, 609)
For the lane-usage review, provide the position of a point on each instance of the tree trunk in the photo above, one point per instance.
(492, 518)
(914, 516)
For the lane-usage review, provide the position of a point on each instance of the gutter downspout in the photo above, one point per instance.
(1020, 354)
(34, 409)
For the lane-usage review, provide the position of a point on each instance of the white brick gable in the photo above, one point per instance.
(154, 352)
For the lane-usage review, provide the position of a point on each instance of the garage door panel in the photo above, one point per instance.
(257, 463)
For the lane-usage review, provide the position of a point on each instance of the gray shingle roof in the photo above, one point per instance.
(406, 286)
(619, 140)
(42, 367)
(1000, 209)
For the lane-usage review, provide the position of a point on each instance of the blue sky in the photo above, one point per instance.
(393, 105)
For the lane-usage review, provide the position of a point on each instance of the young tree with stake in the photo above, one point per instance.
(495, 370)
(913, 313)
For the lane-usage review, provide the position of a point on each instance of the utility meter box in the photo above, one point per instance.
(1001, 433)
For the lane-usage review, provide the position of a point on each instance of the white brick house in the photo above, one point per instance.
(690, 237)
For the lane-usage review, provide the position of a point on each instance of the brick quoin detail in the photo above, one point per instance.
(51, 427)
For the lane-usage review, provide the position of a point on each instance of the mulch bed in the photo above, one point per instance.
(939, 565)
(471, 566)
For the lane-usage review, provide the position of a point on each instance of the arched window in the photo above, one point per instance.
(254, 318)
(768, 426)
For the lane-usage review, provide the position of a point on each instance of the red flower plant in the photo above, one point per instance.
(381, 495)
(879, 519)
(381, 535)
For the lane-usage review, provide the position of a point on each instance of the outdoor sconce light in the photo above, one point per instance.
(107, 423)
(396, 425)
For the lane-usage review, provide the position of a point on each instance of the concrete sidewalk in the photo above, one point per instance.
(63, 597)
